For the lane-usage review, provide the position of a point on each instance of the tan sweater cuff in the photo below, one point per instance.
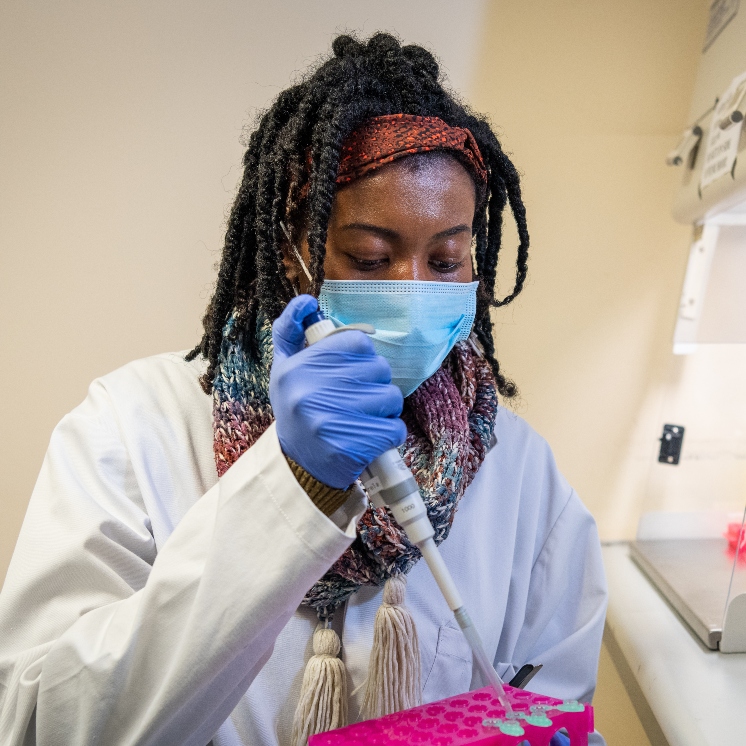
(326, 499)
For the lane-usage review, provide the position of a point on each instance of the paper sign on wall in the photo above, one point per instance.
(725, 133)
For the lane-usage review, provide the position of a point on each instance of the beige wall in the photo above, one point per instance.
(120, 128)
(119, 138)
(590, 97)
(119, 143)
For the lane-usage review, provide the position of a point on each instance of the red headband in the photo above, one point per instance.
(382, 140)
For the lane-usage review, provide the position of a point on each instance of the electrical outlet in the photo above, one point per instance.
(671, 440)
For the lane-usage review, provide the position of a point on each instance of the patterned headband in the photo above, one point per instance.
(382, 140)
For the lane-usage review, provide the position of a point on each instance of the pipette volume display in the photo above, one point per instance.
(389, 483)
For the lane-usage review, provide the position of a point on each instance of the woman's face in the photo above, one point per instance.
(408, 220)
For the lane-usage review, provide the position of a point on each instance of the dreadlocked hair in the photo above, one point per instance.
(290, 168)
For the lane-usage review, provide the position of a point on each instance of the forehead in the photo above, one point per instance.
(434, 184)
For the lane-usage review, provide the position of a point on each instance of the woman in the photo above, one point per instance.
(180, 549)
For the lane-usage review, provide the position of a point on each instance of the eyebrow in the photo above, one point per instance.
(392, 234)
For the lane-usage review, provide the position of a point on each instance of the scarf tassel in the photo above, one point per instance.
(323, 697)
(395, 671)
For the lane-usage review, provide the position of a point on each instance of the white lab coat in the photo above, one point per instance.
(148, 602)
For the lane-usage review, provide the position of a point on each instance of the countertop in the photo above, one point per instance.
(685, 694)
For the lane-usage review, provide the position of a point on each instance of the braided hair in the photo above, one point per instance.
(290, 169)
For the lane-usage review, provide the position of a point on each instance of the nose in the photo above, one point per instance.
(412, 266)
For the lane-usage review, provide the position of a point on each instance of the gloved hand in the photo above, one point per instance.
(334, 404)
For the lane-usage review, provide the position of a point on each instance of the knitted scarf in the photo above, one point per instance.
(449, 418)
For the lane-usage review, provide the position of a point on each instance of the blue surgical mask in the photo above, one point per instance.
(417, 323)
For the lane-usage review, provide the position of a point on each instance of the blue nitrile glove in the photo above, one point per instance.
(559, 739)
(335, 406)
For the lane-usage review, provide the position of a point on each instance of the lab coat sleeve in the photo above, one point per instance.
(103, 640)
(566, 608)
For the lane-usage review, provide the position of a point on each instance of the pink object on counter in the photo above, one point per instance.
(472, 718)
(736, 537)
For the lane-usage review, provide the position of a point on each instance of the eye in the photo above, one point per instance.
(367, 265)
(445, 266)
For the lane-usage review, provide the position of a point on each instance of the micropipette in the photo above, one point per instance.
(389, 483)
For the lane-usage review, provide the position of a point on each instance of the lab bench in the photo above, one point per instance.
(684, 693)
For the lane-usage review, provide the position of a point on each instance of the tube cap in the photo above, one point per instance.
(313, 318)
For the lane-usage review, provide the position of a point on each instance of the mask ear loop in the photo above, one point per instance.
(475, 344)
(297, 254)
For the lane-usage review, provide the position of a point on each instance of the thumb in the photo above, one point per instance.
(288, 335)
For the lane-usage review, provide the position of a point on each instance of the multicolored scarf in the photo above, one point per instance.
(449, 418)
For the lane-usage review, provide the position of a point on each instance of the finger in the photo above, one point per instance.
(375, 369)
(347, 403)
(346, 370)
(380, 401)
(351, 341)
(398, 432)
(288, 334)
(380, 433)
(389, 434)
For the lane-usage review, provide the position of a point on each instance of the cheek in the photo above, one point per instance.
(465, 273)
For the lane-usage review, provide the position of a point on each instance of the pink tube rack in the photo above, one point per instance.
(472, 718)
